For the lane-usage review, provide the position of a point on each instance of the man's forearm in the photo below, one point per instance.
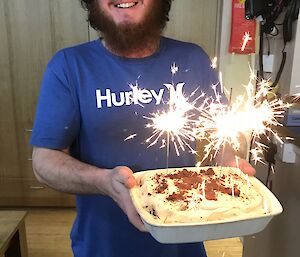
(62, 172)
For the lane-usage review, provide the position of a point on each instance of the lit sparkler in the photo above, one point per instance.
(175, 123)
(216, 122)
(203, 189)
(232, 186)
(251, 114)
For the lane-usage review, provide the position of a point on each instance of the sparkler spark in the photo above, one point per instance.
(214, 63)
(290, 138)
(137, 93)
(130, 137)
(174, 68)
(296, 96)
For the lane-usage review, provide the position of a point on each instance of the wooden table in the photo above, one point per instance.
(12, 234)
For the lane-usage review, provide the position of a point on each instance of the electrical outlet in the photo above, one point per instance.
(268, 61)
(286, 152)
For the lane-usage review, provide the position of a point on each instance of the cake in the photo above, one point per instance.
(198, 195)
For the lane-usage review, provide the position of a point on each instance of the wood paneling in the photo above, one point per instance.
(29, 192)
(31, 32)
(8, 143)
(194, 21)
(68, 23)
(28, 30)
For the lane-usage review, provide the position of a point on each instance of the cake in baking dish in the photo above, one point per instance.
(202, 194)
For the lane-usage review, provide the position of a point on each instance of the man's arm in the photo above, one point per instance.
(60, 171)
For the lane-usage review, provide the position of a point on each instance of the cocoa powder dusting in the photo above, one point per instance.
(161, 187)
(176, 197)
(186, 180)
(210, 172)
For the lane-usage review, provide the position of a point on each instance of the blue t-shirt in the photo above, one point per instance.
(86, 105)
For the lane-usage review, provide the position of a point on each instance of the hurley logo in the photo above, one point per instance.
(135, 96)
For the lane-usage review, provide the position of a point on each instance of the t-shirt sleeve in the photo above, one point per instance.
(57, 116)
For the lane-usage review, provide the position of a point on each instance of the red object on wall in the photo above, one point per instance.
(242, 40)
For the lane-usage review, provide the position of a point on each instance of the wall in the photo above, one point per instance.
(290, 78)
(281, 236)
(195, 21)
(235, 68)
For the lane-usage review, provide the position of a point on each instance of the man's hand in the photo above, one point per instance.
(243, 165)
(120, 180)
(229, 157)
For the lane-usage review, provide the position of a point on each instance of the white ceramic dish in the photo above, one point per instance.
(209, 230)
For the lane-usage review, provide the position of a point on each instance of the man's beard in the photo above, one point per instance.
(127, 38)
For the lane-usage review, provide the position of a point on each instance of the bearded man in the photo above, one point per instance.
(86, 111)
